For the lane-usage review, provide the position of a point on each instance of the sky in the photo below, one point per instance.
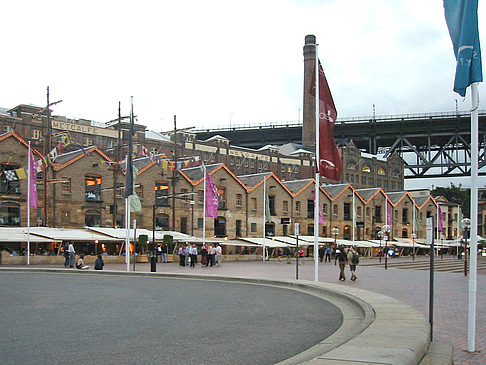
(215, 63)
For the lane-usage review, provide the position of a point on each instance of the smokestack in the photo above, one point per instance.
(309, 110)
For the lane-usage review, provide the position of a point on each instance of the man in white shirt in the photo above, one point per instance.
(219, 255)
(72, 254)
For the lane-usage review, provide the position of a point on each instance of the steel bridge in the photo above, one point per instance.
(432, 145)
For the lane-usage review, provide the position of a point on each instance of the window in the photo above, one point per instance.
(200, 223)
(238, 228)
(92, 188)
(7, 185)
(139, 190)
(335, 209)
(324, 209)
(66, 186)
(253, 227)
(184, 195)
(347, 178)
(381, 171)
(297, 206)
(246, 163)
(271, 203)
(310, 208)
(153, 150)
(366, 168)
(88, 141)
(239, 200)
(252, 163)
(36, 134)
(396, 173)
(221, 197)
(10, 214)
(368, 211)
(253, 203)
(405, 216)
(162, 193)
(285, 206)
(92, 218)
(232, 161)
(378, 213)
(363, 180)
(347, 211)
(283, 168)
(200, 196)
(161, 222)
(110, 144)
(359, 211)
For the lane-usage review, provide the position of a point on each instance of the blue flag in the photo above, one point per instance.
(462, 21)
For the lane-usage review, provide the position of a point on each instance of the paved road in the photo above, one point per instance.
(98, 319)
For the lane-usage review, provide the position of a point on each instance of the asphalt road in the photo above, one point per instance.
(74, 319)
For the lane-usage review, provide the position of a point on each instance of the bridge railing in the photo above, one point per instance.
(344, 120)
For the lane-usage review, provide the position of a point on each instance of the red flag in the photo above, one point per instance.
(330, 164)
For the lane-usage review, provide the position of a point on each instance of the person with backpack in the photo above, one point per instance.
(353, 259)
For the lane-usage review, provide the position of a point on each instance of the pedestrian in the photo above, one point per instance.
(193, 252)
(321, 253)
(72, 254)
(211, 254)
(165, 250)
(204, 256)
(300, 256)
(342, 258)
(182, 256)
(80, 264)
(99, 263)
(159, 252)
(67, 258)
(353, 259)
(219, 254)
(188, 254)
(328, 254)
(286, 251)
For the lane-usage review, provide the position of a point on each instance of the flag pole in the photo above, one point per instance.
(264, 214)
(317, 177)
(204, 206)
(473, 254)
(28, 204)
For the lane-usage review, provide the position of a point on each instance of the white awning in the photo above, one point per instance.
(70, 234)
(119, 234)
(260, 241)
(17, 235)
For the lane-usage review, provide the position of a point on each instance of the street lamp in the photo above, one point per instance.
(335, 232)
(414, 236)
(466, 224)
(441, 248)
(386, 229)
(380, 236)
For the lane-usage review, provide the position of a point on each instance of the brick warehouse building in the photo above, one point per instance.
(82, 193)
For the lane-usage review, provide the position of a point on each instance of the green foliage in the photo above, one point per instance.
(141, 245)
(455, 194)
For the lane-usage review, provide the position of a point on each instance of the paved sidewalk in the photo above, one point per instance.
(409, 286)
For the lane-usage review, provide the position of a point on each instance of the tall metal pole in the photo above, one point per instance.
(116, 166)
(174, 176)
(317, 165)
(47, 146)
(430, 231)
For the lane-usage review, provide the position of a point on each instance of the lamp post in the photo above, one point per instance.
(380, 236)
(335, 232)
(441, 248)
(414, 236)
(386, 229)
(466, 224)
(192, 202)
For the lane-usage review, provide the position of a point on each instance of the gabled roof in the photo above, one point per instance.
(368, 194)
(296, 186)
(195, 175)
(21, 140)
(420, 201)
(397, 196)
(252, 180)
(67, 159)
(334, 191)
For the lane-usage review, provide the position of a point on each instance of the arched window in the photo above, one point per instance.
(381, 171)
(92, 218)
(10, 214)
(366, 168)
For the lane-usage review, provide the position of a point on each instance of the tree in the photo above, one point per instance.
(455, 194)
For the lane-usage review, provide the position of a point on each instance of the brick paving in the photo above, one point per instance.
(410, 286)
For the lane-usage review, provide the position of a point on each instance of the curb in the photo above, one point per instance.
(376, 329)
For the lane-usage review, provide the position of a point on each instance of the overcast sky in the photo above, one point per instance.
(212, 62)
(215, 62)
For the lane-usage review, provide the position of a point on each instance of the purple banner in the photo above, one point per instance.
(211, 196)
(32, 177)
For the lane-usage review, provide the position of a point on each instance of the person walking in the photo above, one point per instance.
(165, 250)
(182, 256)
(219, 254)
(353, 259)
(193, 252)
(204, 256)
(341, 258)
(286, 251)
(300, 256)
(67, 258)
(328, 254)
(72, 254)
(321, 253)
(99, 263)
(188, 254)
(211, 254)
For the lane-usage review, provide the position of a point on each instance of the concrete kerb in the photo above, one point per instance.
(376, 329)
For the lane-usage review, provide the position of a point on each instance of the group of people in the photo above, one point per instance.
(350, 257)
(70, 259)
(210, 255)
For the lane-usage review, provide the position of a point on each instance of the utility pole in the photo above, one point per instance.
(116, 166)
(47, 143)
(173, 226)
